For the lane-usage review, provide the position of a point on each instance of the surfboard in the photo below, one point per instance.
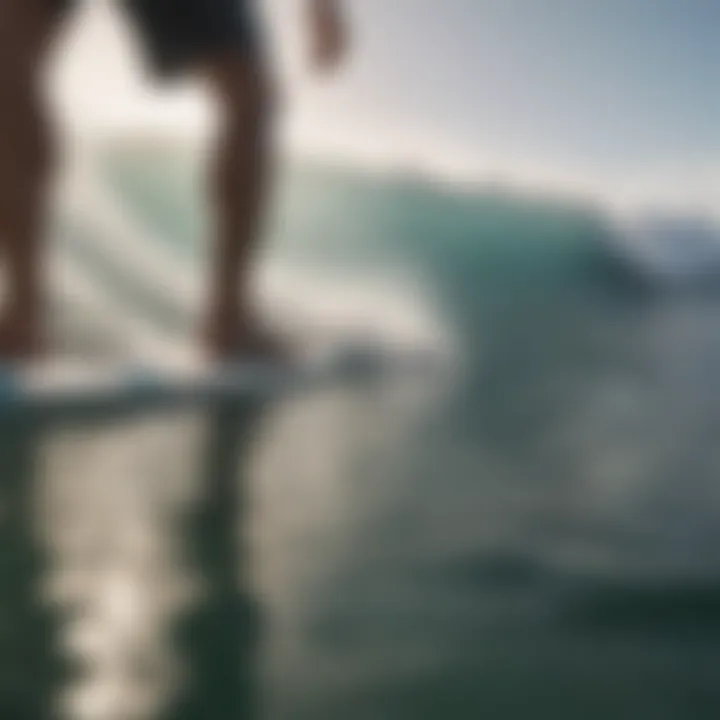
(70, 385)
(111, 281)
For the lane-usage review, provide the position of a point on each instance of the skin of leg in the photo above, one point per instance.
(27, 28)
(240, 175)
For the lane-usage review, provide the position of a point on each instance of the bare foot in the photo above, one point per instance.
(19, 340)
(245, 342)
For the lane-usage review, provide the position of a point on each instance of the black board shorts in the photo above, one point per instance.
(177, 35)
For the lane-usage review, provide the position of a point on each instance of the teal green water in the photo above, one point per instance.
(534, 537)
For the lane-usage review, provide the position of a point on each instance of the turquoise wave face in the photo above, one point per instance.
(344, 219)
(537, 538)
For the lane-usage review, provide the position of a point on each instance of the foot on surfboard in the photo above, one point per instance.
(19, 341)
(249, 343)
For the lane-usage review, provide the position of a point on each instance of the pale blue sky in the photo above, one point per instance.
(602, 80)
(597, 86)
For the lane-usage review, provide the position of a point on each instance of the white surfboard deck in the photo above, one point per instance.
(66, 384)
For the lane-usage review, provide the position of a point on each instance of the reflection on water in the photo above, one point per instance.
(218, 636)
(130, 587)
(537, 538)
(32, 668)
(124, 592)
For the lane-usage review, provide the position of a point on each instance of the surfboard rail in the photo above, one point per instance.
(69, 386)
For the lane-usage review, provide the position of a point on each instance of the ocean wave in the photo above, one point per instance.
(668, 249)
(430, 238)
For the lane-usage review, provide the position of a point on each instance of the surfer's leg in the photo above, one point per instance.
(27, 28)
(219, 40)
(240, 182)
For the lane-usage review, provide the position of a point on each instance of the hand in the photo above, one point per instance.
(328, 35)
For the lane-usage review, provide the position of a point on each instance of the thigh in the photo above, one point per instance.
(27, 27)
(182, 35)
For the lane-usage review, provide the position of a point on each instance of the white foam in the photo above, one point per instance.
(309, 306)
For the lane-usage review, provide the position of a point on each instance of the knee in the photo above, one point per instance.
(248, 101)
(245, 128)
